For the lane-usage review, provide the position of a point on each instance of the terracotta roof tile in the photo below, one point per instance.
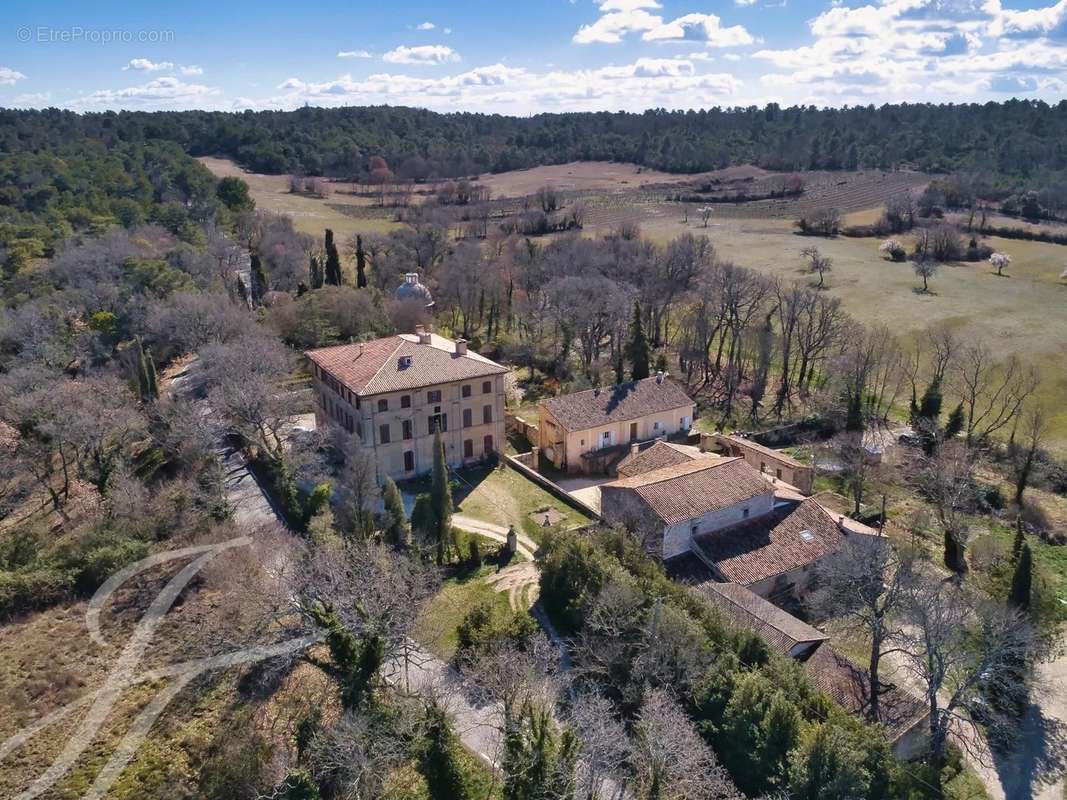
(832, 673)
(373, 367)
(595, 407)
(693, 488)
(789, 537)
(660, 454)
(747, 609)
(777, 455)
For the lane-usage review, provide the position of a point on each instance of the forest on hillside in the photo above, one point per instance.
(1020, 143)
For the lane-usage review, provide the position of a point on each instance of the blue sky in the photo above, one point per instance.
(524, 57)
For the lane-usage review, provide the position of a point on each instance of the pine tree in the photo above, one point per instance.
(259, 280)
(955, 422)
(361, 264)
(440, 766)
(1022, 580)
(332, 270)
(637, 347)
(441, 494)
(397, 531)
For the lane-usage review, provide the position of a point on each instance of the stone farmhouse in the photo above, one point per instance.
(591, 431)
(772, 462)
(745, 526)
(395, 393)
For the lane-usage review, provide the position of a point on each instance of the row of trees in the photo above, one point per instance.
(1018, 139)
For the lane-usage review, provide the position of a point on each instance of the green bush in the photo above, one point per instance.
(487, 625)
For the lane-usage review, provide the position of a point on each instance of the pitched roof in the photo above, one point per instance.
(778, 455)
(747, 609)
(660, 454)
(683, 491)
(373, 367)
(594, 407)
(789, 537)
(847, 684)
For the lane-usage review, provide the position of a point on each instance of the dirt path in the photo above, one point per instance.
(498, 533)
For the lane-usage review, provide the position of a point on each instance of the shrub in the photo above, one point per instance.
(487, 625)
(893, 249)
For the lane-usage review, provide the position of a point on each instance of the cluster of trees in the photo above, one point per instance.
(59, 183)
(1019, 139)
(742, 715)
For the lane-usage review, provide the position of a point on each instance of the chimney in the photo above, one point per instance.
(461, 347)
(596, 391)
(423, 334)
(659, 377)
(634, 447)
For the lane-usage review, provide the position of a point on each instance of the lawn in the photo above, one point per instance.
(341, 211)
(503, 496)
(441, 616)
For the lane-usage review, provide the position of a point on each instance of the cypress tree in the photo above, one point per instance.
(955, 560)
(315, 270)
(151, 379)
(1020, 539)
(259, 280)
(854, 421)
(954, 425)
(930, 405)
(332, 271)
(242, 292)
(440, 766)
(397, 531)
(141, 370)
(361, 264)
(441, 495)
(638, 346)
(423, 518)
(1022, 580)
(620, 369)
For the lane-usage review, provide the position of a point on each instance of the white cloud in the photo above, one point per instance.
(743, 3)
(425, 26)
(618, 18)
(147, 65)
(144, 65)
(423, 54)
(353, 54)
(923, 50)
(705, 28)
(160, 93)
(644, 83)
(446, 31)
(9, 77)
(33, 100)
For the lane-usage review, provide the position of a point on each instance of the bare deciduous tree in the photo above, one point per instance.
(867, 582)
(993, 393)
(671, 761)
(964, 649)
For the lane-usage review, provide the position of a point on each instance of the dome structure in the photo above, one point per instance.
(411, 289)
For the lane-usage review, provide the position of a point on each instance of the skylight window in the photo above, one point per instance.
(807, 536)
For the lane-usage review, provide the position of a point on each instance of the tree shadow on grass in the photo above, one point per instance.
(925, 292)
